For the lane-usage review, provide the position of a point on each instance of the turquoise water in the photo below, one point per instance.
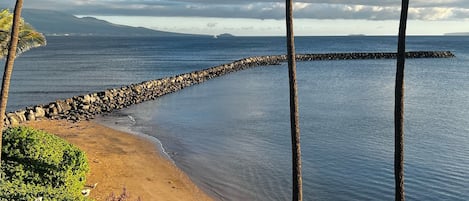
(231, 134)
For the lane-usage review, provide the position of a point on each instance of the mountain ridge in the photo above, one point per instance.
(51, 22)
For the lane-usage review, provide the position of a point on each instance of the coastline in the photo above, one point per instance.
(113, 148)
(118, 159)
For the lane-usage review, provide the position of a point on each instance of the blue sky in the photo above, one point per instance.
(265, 17)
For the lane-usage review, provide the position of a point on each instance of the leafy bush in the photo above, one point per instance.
(36, 163)
(29, 192)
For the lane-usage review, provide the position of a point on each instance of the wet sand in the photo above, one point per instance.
(118, 159)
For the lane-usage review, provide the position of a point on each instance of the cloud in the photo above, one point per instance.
(261, 9)
(431, 13)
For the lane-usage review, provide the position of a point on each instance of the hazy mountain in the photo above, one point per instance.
(224, 35)
(58, 23)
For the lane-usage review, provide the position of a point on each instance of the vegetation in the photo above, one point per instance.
(28, 37)
(8, 70)
(38, 164)
(22, 38)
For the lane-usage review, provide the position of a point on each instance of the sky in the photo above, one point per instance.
(266, 17)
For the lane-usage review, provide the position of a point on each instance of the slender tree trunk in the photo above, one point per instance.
(9, 64)
(399, 107)
(294, 116)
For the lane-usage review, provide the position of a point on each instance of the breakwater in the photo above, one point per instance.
(88, 105)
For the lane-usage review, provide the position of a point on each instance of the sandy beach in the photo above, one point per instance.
(119, 159)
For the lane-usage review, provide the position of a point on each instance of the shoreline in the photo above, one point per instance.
(121, 159)
(56, 118)
(118, 123)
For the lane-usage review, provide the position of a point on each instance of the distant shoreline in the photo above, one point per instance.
(457, 34)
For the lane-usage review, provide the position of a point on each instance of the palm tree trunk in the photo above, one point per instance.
(294, 117)
(9, 64)
(399, 107)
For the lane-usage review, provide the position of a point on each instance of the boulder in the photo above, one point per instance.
(53, 112)
(84, 107)
(86, 99)
(14, 120)
(30, 116)
(39, 112)
(63, 106)
(21, 115)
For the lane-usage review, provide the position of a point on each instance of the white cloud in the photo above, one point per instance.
(431, 13)
(261, 9)
(299, 5)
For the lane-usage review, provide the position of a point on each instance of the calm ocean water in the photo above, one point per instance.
(231, 134)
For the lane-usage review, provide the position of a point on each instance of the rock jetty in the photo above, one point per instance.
(86, 106)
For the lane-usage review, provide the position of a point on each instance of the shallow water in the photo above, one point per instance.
(231, 134)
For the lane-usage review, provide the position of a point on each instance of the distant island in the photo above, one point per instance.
(357, 35)
(224, 35)
(54, 23)
(457, 34)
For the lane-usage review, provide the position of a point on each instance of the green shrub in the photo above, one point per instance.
(37, 163)
(28, 192)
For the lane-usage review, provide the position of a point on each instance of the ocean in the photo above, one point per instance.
(231, 134)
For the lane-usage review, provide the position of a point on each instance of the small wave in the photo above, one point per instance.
(116, 120)
(131, 118)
